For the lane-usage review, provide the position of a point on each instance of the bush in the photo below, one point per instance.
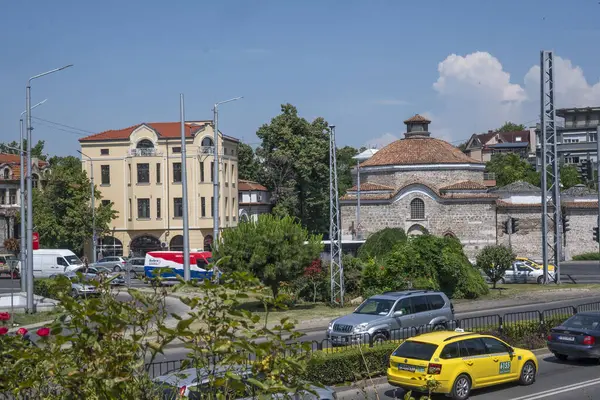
(347, 365)
(50, 288)
(380, 243)
(592, 256)
(494, 261)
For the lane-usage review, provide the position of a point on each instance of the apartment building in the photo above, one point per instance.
(576, 139)
(483, 146)
(254, 200)
(138, 170)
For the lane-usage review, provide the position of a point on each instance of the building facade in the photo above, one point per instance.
(254, 200)
(425, 185)
(138, 171)
(577, 139)
(483, 146)
(10, 197)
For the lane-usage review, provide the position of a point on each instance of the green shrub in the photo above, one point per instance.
(381, 243)
(592, 256)
(347, 364)
(50, 288)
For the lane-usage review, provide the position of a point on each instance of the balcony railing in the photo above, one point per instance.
(144, 152)
(206, 150)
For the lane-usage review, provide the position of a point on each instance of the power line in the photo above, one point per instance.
(64, 125)
(62, 129)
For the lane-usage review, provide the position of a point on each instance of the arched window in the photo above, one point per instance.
(417, 209)
(143, 244)
(176, 243)
(145, 144)
(110, 246)
(207, 142)
(6, 173)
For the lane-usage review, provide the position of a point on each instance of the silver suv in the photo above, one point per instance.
(392, 315)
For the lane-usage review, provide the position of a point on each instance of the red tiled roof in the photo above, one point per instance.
(9, 158)
(465, 185)
(419, 150)
(13, 160)
(368, 187)
(417, 118)
(163, 129)
(244, 185)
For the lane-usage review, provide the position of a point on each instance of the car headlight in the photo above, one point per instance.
(360, 328)
(330, 325)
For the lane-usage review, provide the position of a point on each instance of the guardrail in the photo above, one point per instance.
(516, 322)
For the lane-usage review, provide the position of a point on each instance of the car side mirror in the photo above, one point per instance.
(398, 313)
(511, 351)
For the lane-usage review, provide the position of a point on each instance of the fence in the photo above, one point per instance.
(516, 323)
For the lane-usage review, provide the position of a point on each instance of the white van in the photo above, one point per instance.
(51, 262)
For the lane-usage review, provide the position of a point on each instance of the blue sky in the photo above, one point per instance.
(363, 65)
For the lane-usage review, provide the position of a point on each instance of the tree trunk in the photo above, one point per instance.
(275, 290)
(314, 292)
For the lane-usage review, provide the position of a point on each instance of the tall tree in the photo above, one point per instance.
(36, 151)
(61, 210)
(345, 164)
(511, 127)
(510, 168)
(569, 176)
(295, 158)
(248, 165)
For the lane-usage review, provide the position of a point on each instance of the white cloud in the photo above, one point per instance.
(477, 94)
(381, 141)
(392, 102)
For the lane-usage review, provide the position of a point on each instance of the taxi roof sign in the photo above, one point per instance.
(460, 330)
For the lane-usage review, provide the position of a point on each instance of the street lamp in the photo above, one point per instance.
(93, 205)
(29, 189)
(22, 194)
(216, 168)
(365, 155)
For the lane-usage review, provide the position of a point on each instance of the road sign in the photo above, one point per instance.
(36, 241)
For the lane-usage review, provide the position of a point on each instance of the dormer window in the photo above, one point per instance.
(6, 173)
(207, 142)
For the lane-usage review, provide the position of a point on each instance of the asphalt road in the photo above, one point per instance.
(556, 380)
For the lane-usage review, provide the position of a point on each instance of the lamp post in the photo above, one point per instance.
(29, 189)
(184, 195)
(364, 156)
(22, 200)
(93, 205)
(216, 168)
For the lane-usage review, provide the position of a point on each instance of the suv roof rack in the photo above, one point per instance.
(407, 292)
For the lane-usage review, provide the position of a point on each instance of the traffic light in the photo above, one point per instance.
(595, 234)
(515, 225)
(506, 226)
(566, 224)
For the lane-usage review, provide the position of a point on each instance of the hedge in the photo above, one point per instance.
(49, 288)
(346, 364)
(593, 256)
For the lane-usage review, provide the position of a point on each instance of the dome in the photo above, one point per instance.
(419, 150)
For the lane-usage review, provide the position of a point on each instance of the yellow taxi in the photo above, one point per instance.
(454, 362)
(529, 262)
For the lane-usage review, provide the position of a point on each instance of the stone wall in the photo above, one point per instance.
(580, 239)
(472, 223)
(527, 242)
(437, 178)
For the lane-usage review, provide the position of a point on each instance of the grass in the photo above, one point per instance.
(29, 319)
(517, 290)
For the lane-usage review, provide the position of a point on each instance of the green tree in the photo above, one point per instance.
(345, 164)
(248, 165)
(511, 127)
(295, 167)
(380, 243)
(569, 176)
(36, 151)
(463, 146)
(494, 261)
(273, 249)
(510, 168)
(62, 213)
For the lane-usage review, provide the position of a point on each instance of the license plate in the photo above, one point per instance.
(566, 338)
(410, 368)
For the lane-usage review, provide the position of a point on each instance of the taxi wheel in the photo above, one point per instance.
(461, 388)
(540, 280)
(527, 373)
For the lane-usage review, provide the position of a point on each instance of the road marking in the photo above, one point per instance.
(552, 392)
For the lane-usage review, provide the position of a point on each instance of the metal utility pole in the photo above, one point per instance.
(550, 179)
(598, 175)
(216, 169)
(23, 252)
(335, 234)
(30, 308)
(93, 202)
(184, 195)
(358, 236)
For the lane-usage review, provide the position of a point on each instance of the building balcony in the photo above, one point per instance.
(144, 152)
(206, 150)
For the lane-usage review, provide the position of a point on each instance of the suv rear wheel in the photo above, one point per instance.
(117, 268)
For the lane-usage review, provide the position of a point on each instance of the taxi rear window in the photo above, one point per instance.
(416, 350)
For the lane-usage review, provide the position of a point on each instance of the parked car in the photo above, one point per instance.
(381, 317)
(459, 361)
(189, 383)
(115, 263)
(530, 263)
(10, 266)
(52, 262)
(100, 273)
(135, 266)
(578, 336)
(520, 272)
(80, 287)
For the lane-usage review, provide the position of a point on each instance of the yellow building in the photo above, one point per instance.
(138, 170)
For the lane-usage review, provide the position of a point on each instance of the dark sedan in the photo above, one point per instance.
(578, 336)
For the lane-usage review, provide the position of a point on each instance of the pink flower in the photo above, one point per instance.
(3, 330)
(22, 331)
(4, 316)
(43, 332)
